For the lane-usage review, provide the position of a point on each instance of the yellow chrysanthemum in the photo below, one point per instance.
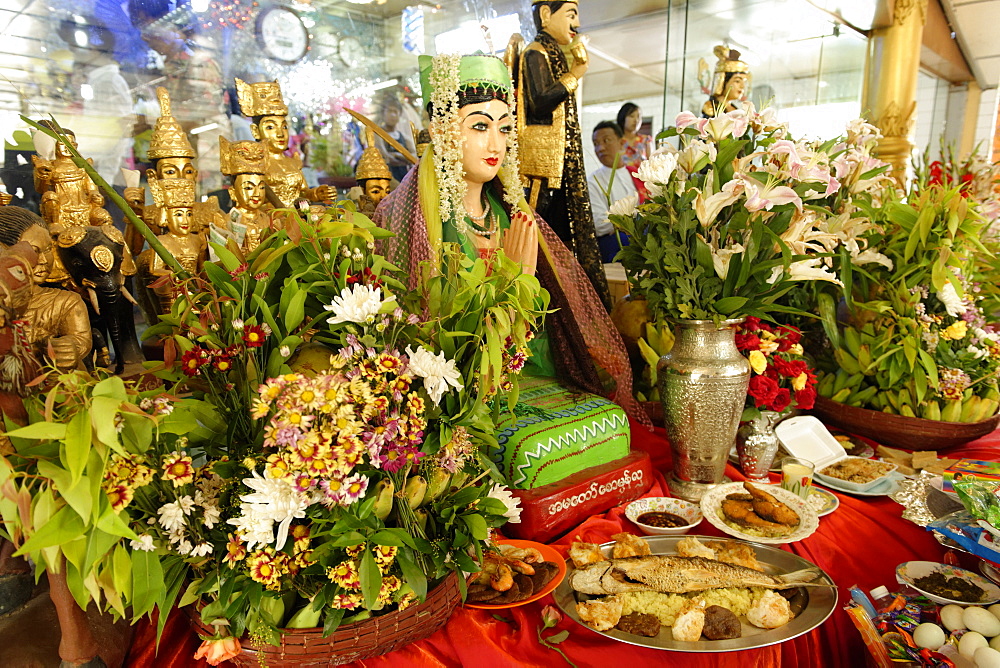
(955, 331)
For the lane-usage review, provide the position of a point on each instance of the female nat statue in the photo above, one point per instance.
(465, 191)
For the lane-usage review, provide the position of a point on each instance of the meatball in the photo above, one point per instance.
(721, 624)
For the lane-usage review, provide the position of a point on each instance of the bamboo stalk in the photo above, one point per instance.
(110, 192)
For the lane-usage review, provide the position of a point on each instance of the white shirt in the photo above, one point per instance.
(601, 200)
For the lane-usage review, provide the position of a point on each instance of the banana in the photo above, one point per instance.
(415, 490)
(931, 410)
(824, 387)
(865, 360)
(893, 398)
(989, 408)
(907, 411)
(841, 396)
(862, 397)
(952, 411)
(852, 340)
(841, 380)
(272, 609)
(458, 479)
(383, 500)
(421, 515)
(306, 618)
(970, 408)
(437, 483)
(846, 361)
(649, 354)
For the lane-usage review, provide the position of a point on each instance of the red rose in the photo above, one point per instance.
(789, 336)
(805, 398)
(762, 389)
(790, 368)
(746, 342)
(781, 399)
(751, 324)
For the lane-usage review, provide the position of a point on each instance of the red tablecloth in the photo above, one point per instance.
(861, 543)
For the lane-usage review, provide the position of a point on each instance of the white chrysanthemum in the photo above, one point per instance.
(656, 171)
(143, 543)
(953, 303)
(360, 304)
(273, 501)
(502, 494)
(437, 371)
(171, 516)
(211, 516)
(626, 206)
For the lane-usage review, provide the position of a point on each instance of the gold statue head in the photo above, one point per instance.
(169, 139)
(22, 225)
(732, 75)
(372, 164)
(175, 198)
(260, 99)
(241, 157)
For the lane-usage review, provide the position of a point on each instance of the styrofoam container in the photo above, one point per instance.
(805, 437)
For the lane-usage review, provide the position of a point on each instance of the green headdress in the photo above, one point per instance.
(479, 71)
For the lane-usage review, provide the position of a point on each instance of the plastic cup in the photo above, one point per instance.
(796, 476)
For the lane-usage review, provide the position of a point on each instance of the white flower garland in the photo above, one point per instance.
(510, 175)
(447, 137)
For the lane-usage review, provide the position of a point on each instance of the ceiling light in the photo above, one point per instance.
(80, 37)
(204, 128)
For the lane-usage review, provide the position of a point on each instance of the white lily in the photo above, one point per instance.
(707, 208)
(805, 270)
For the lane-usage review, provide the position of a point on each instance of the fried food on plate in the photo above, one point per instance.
(600, 614)
(585, 553)
(768, 507)
(629, 545)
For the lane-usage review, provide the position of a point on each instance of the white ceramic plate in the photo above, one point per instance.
(830, 502)
(820, 602)
(711, 502)
(885, 488)
(664, 504)
(907, 572)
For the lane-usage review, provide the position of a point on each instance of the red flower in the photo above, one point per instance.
(746, 342)
(790, 368)
(222, 363)
(253, 336)
(191, 361)
(782, 398)
(789, 337)
(236, 273)
(762, 389)
(805, 398)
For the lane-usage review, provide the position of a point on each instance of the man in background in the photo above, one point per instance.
(607, 184)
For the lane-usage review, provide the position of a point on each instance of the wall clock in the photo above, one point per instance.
(351, 51)
(282, 34)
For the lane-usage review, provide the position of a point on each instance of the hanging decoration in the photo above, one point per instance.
(229, 14)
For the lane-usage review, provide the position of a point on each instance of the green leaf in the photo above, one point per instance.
(147, 582)
(296, 310)
(42, 431)
(78, 495)
(477, 526)
(730, 305)
(332, 621)
(371, 579)
(98, 545)
(76, 446)
(557, 638)
(113, 387)
(392, 537)
(413, 575)
(64, 526)
(103, 411)
(121, 571)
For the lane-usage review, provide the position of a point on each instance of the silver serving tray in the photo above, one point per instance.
(820, 603)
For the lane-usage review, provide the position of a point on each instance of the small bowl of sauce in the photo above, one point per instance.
(663, 516)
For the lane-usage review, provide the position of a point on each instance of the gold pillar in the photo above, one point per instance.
(891, 81)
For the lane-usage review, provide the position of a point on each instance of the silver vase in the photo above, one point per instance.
(703, 385)
(756, 444)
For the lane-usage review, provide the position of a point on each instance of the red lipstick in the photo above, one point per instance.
(492, 162)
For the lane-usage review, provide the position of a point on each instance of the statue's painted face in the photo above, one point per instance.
(62, 151)
(485, 128)
(376, 189)
(41, 242)
(176, 168)
(563, 23)
(737, 87)
(179, 221)
(248, 191)
(272, 131)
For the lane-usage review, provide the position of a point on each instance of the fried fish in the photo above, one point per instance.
(677, 575)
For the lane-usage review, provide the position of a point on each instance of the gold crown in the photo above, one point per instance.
(372, 164)
(241, 157)
(172, 193)
(168, 140)
(729, 60)
(260, 99)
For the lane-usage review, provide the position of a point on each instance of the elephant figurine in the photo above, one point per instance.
(101, 266)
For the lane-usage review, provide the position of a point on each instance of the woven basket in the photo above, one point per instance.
(372, 637)
(900, 431)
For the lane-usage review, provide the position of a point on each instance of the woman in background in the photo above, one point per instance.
(638, 147)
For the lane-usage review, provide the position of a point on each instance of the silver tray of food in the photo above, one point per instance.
(808, 606)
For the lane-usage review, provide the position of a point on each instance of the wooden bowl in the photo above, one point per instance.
(910, 433)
